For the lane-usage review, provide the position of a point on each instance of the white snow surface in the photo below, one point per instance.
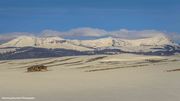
(123, 77)
(133, 45)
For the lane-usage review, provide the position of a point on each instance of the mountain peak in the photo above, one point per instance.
(157, 40)
(23, 41)
(20, 41)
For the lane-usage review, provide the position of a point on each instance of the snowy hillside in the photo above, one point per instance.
(30, 46)
(123, 77)
(57, 42)
(45, 42)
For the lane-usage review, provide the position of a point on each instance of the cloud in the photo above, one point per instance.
(95, 32)
(87, 32)
(78, 32)
(134, 34)
(49, 32)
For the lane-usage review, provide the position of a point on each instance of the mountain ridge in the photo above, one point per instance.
(22, 41)
(23, 45)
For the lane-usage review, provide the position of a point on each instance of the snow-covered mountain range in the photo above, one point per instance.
(156, 45)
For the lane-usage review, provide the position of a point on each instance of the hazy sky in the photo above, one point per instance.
(62, 15)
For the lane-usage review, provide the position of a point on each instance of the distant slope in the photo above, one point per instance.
(44, 42)
(36, 47)
(32, 52)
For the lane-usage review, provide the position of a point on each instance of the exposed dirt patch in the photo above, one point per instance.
(102, 69)
(156, 60)
(173, 70)
(54, 61)
(3, 62)
(69, 63)
(96, 58)
(45, 63)
(35, 61)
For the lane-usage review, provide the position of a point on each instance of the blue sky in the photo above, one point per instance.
(62, 15)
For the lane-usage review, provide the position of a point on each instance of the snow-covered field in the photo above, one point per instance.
(121, 77)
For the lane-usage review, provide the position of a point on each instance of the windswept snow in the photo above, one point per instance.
(93, 78)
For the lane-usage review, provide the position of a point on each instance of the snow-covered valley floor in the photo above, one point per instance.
(121, 77)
